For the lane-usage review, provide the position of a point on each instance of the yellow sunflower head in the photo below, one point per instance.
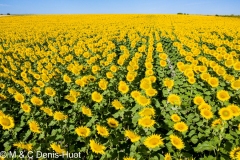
(59, 116)
(112, 122)
(153, 141)
(132, 136)
(207, 114)
(146, 122)
(225, 113)
(97, 97)
(57, 148)
(26, 108)
(177, 142)
(180, 126)
(96, 147)
(103, 131)
(82, 131)
(7, 122)
(223, 95)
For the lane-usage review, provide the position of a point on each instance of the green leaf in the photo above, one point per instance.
(17, 129)
(207, 145)
(192, 132)
(27, 135)
(194, 139)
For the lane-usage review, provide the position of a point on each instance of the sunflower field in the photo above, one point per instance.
(121, 87)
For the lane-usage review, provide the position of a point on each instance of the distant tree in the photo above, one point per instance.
(180, 13)
(8, 13)
(1, 14)
(216, 15)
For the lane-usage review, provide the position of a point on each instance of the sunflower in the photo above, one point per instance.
(223, 95)
(40, 84)
(59, 116)
(135, 94)
(67, 79)
(2, 85)
(204, 106)
(36, 101)
(175, 118)
(147, 112)
(177, 142)
(27, 90)
(174, 99)
(206, 113)
(96, 147)
(205, 76)
(82, 131)
(235, 109)
(145, 83)
(180, 126)
(225, 113)
(86, 111)
(143, 101)
(130, 76)
(21, 145)
(113, 68)
(151, 92)
(123, 87)
(103, 131)
(132, 136)
(112, 122)
(2, 97)
(236, 66)
(97, 97)
(153, 141)
(167, 156)
(236, 84)
(168, 83)
(71, 98)
(117, 105)
(34, 126)
(57, 148)
(50, 92)
(19, 98)
(26, 108)
(163, 56)
(74, 93)
(146, 122)
(7, 122)
(1, 113)
(191, 80)
(213, 81)
(238, 156)
(163, 63)
(103, 84)
(80, 82)
(216, 122)
(198, 100)
(234, 152)
(47, 110)
(109, 75)
(36, 90)
(149, 72)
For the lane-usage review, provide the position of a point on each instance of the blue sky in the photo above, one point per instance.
(119, 6)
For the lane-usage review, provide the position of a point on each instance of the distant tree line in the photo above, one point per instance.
(182, 13)
(6, 14)
(231, 15)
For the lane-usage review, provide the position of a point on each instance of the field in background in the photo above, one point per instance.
(121, 86)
